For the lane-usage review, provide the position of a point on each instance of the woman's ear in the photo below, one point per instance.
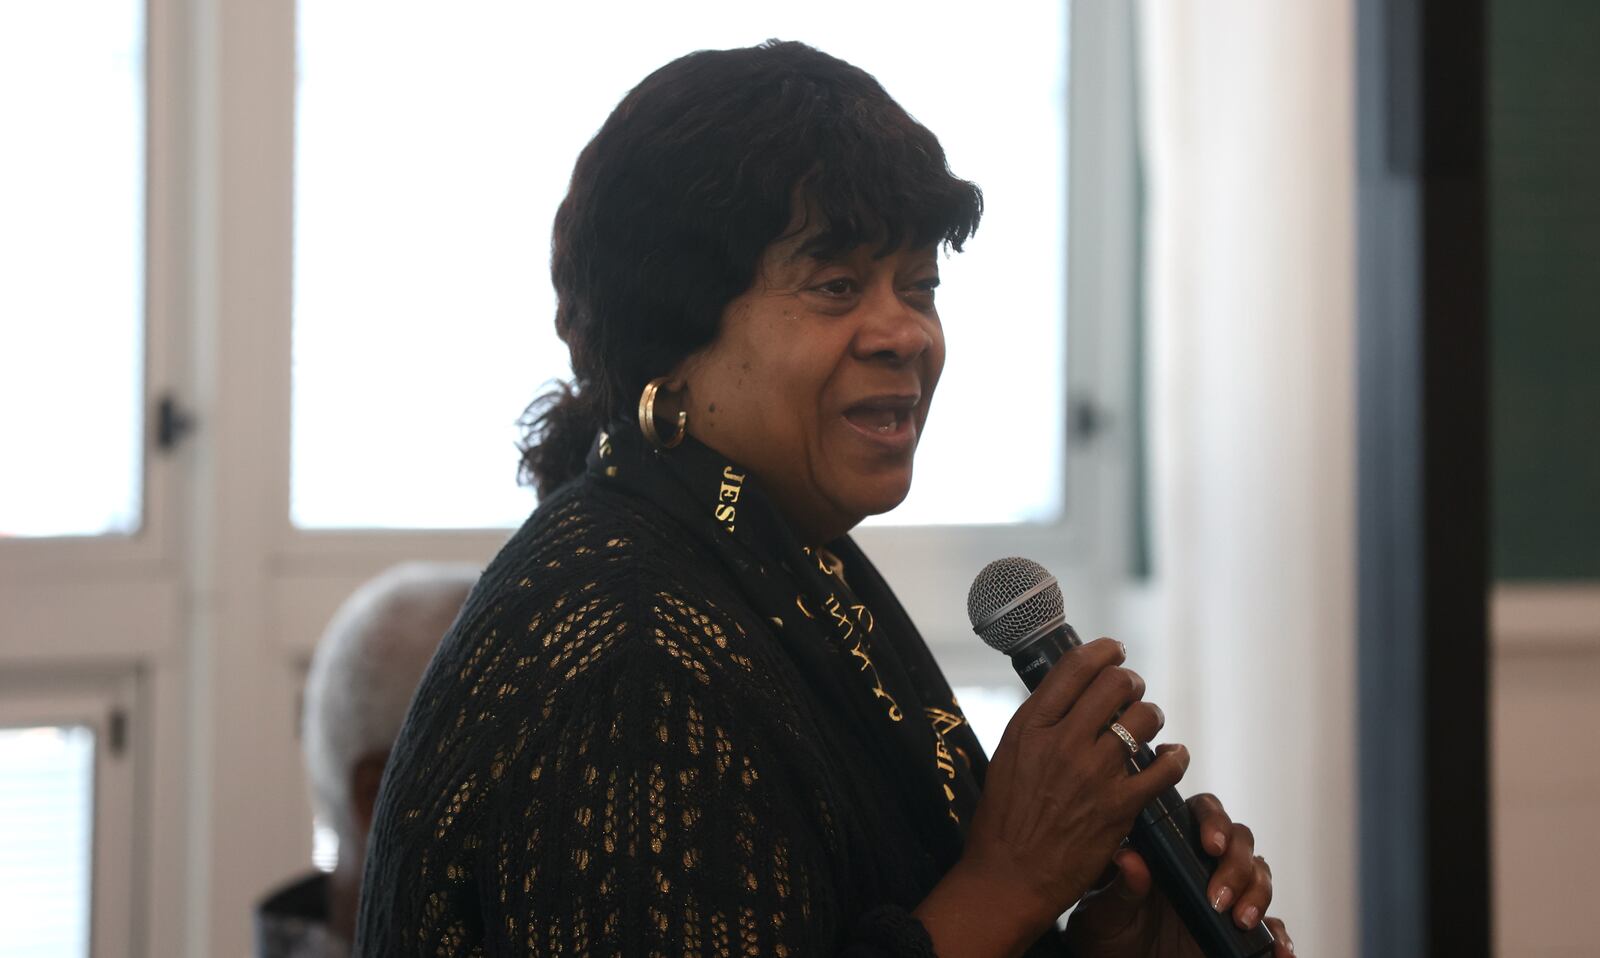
(677, 393)
(681, 376)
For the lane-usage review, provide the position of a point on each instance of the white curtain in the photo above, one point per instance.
(1249, 148)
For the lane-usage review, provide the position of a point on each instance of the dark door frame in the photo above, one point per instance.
(1422, 423)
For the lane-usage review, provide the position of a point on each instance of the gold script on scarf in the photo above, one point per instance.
(852, 624)
(727, 496)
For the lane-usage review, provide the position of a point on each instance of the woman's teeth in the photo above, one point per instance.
(878, 419)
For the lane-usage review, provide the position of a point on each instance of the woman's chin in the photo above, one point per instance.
(880, 495)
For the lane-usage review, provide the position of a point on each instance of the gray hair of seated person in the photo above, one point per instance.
(364, 671)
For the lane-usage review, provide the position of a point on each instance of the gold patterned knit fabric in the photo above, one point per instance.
(606, 758)
(663, 726)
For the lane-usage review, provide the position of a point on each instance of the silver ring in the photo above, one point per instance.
(1126, 736)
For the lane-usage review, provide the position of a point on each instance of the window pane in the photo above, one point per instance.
(434, 141)
(47, 807)
(988, 709)
(72, 172)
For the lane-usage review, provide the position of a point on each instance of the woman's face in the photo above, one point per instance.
(820, 378)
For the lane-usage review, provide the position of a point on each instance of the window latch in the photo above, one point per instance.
(1086, 419)
(173, 423)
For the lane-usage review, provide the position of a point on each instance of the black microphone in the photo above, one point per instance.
(1016, 607)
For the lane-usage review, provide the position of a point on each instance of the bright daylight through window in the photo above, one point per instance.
(434, 141)
(72, 176)
(47, 807)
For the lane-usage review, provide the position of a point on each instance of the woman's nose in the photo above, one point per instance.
(892, 329)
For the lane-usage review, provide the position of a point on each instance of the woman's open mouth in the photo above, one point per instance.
(885, 419)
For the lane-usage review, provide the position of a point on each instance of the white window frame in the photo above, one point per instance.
(91, 625)
(1089, 550)
(98, 703)
(116, 562)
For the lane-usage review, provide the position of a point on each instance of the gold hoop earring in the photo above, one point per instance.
(647, 416)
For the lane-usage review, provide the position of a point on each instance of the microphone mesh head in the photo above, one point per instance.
(998, 586)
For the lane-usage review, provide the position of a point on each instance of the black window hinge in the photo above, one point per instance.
(173, 423)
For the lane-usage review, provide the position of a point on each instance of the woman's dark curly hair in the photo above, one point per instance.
(671, 205)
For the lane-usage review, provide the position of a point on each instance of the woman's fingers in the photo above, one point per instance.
(1234, 878)
(1133, 873)
(1058, 800)
(1066, 681)
(1142, 720)
(1243, 880)
(1165, 772)
(1255, 898)
(1242, 883)
(1213, 822)
(1285, 946)
(1111, 692)
(1235, 869)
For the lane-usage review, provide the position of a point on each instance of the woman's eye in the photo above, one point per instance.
(837, 287)
(926, 288)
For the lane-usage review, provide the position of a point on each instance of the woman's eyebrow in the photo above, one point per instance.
(803, 257)
(807, 250)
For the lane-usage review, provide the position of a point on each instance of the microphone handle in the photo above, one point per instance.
(1164, 834)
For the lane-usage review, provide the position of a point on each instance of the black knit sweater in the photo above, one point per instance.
(660, 726)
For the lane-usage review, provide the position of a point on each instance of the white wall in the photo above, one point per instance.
(1546, 769)
(1250, 146)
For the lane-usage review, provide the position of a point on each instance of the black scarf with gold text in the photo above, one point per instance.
(834, 615)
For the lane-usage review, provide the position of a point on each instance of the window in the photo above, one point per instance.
(67, 804)
(434, 142)
(91, 269)
(989, 708)
(72, 260)
(47, 803)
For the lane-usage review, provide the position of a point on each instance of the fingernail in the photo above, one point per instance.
(1219, 842)
(1124, 649)
(1248, 919)
(1224, 895)
(1288, 943)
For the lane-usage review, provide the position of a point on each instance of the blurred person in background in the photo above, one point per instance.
(362, 677)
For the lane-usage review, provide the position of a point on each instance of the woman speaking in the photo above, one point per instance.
(682, 714)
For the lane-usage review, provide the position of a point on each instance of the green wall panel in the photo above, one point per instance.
(1544, 149)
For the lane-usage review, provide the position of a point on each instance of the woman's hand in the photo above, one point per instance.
(1129, 918)
(1056, 804)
